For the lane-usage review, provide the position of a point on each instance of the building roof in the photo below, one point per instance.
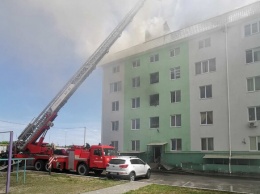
(207, 25)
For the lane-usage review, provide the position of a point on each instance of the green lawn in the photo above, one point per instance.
(164, 189)
(43, 183)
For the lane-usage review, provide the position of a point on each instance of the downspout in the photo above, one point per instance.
(228, 100)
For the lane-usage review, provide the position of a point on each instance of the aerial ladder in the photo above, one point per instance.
(37, 129)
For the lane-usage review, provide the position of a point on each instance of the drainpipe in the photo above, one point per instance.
(228, 101)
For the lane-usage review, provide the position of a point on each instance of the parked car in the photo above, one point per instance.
(127, 167)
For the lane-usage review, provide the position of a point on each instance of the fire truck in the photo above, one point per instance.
(30, 142)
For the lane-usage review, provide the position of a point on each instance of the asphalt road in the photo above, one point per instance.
(232, 184)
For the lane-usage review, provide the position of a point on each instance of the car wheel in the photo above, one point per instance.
(108, 176)
(132, 176)
(39, 165)
(148, 174)
(83, 169)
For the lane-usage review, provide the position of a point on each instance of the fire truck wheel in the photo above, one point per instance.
(39, 165)
(83, 169)
(46, 166)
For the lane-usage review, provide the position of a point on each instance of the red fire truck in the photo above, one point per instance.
(30, 142)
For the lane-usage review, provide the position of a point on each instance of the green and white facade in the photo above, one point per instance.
(190, 98)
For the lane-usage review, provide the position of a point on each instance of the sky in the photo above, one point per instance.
(44, 42)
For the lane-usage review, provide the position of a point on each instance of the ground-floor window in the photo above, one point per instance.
(207, 144)
(255, 143)
(176, 145)
(135, 145)
(115, 144)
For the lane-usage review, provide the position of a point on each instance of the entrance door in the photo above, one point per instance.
(157, 154)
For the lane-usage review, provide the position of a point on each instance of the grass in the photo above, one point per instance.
(164, 189)
(43, 183)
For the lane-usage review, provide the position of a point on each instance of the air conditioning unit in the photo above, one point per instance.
(252, 124)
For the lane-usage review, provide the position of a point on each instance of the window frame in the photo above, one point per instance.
(135, 145)
(248, 28)
(252, 54)
(255, 84)
(154, 77)
(135, 124)
(175, 52)
(177, 142)
(155, 98)
(205, 87)
(136, 82)
(154, 58)
(175, 73)
(175, 97)
(175, 119)
(136, 63)
(151, 125)
(115, 106)
(206, 66)
(115, 87)
(206, 117)
(256, 116)
(207, 145)
(256, 141)
(135, 102)
(115, 144)
(115, 125)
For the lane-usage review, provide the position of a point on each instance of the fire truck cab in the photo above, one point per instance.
(77, 158)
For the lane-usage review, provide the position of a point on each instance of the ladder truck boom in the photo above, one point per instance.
(39, 126)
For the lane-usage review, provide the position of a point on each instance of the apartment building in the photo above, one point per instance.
(189, 98)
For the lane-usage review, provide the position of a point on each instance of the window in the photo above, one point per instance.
(175, 52)
(254, 143)
(135, 123)
(115, 106)
(175, 73)
(254, 113)
(135, 145)
(136, 102)
(206, 91)
(154, 78)
(115, 125)
(154, 122)
(176, 120)
(136, 82)
(115, 87)
(136, 63)
(252, 28)
(253, 55)
(154, 58)
(253, 84)
(204, 43)
(176, 145)
(116, 69)
(206, 118)
(207, 144)
(175, 96)
(114, 144)
(154, 100)
(205, 66)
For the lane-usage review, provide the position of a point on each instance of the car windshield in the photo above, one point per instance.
(117, 161)
(109, 152)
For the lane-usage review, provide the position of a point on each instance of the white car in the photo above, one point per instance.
(128, 167)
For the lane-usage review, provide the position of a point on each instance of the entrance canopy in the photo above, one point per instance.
(226, 156)
(157, 144)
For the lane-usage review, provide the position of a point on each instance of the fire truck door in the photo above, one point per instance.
(97, 161)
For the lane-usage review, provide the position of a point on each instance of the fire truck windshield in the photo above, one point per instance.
(110, 152)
